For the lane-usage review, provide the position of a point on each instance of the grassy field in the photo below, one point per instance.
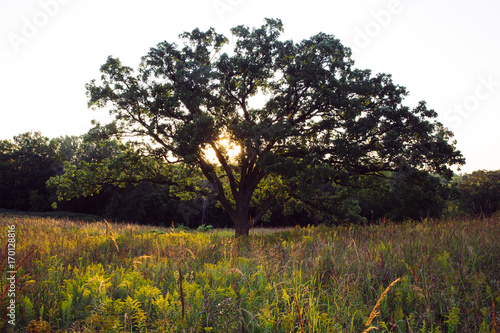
(434, 276)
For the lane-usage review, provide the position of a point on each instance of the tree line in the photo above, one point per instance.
(29, 161)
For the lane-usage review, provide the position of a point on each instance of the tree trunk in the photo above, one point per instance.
(241, 215)
(241, 218)
(241, 226)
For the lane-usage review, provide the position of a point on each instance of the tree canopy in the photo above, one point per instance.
(480, 192)
(308, 123)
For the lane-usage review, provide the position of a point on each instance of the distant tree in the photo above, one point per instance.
(26, 163)
(308, 123)
(87, 149)
(147, 203)
(417, 197)
(480, 192)
(7, 147)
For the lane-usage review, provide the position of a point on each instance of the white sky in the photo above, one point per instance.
(446, 53)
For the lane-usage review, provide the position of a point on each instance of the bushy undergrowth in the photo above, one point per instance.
(99, 277)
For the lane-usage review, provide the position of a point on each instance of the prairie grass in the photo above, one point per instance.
(106, 277)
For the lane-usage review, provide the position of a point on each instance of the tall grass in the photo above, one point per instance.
(105, 277)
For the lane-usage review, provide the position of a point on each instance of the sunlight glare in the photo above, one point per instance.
(231, 150)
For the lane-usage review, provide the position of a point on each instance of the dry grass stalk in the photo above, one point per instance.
(375, 311)
(299, 317)
(108, 226)
(494, 315)
(181, 292)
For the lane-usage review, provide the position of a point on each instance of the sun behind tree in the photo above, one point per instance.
(324, 126)
(229, 149)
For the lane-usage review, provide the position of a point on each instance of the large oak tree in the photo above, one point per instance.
(301, 114)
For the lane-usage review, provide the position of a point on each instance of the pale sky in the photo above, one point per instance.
(446, 53)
